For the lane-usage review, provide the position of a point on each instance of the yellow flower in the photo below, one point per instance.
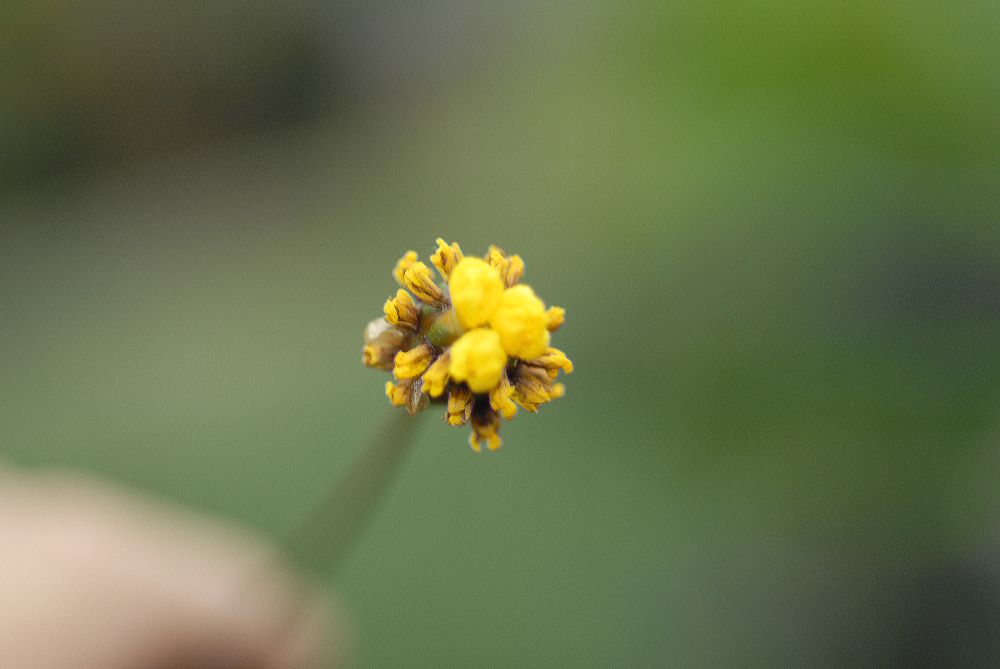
(460, 403)
(418, 279)
(556, 316)
(446, 257)
(478, 345)
(513, 270)
(475, 291)
(484, 429)
(552, 360)
(436, 376)
(510, 269)
(406, 394)
(521, 322)
(478, 359)
(411, 364)
(402, 310)
(397, 394)
(532, 387)
(500, 398)
(402, 265)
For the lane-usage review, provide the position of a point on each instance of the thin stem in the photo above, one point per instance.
(322, 540)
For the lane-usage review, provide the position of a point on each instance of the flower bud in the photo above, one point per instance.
(521, 322)
(475, 289)
(478, 359)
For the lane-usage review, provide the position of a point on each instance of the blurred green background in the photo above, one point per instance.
(774, 226)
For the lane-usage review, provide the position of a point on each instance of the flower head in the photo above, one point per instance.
(476, 341)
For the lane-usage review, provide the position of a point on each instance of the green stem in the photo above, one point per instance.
(323, 539)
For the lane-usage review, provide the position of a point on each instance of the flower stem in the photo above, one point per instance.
(322, 540)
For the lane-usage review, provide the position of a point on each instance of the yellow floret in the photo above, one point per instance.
(460, 403)
(500, 398)
(396, 394)
(420, 281)
(475, 291)
(477, 358)
(531, 391)
(552, 360)
(436, 376)
(402, 310)
(511, 269)
(522, 323)
(411, 364)
(446, 257)
(484, 430)
(402, 265)
(556, 317)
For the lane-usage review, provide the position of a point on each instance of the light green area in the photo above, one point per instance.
(774, 227)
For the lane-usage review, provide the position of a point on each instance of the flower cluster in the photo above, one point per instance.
(477, 341)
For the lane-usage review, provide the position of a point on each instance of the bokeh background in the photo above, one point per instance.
(774, 226)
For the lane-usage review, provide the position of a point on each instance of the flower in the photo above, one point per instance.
(521, 322)
(476, 291)
(477, 341)
(402, 310)
(478, 359)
